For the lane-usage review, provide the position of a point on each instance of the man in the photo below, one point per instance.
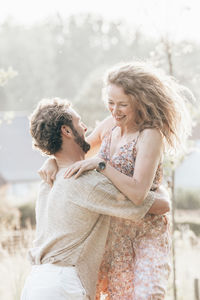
(72, 217)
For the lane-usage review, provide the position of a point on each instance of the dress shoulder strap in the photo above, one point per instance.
(136, 139)
(113, 128)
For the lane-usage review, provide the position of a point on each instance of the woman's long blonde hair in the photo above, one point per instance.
(159, 101)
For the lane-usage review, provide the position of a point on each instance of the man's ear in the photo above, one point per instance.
(66, 131)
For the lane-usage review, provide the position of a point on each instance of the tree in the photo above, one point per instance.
(89, 101)
(5, 76)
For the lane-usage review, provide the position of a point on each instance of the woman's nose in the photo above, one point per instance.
(115, 109)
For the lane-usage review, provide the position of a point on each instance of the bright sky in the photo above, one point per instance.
(179, 18)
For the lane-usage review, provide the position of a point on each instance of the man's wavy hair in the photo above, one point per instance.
(45, 124)
(159, 101)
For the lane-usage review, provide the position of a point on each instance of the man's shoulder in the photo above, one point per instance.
(83, 184)
(92, 177)
(89, 180)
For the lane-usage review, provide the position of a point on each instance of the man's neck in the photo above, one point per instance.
(64, 160)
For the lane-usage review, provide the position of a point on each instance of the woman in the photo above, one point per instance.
(147, 118)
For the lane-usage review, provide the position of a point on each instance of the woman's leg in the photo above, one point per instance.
(152, 263)
(116, 272)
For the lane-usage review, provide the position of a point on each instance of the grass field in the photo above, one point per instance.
(14, 265)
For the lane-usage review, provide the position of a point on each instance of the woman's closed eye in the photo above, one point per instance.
(121, 104)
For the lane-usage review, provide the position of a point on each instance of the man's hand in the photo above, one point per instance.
(161, 204)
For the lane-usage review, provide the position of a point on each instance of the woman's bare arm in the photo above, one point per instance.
(149, 151)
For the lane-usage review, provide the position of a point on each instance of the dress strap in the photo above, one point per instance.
(114, 128)
(136, 140)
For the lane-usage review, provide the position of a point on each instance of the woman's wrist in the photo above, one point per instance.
(101, 166)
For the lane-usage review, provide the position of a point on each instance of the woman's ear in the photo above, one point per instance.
(66, 131)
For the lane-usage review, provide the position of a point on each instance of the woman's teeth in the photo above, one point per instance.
(119, 118)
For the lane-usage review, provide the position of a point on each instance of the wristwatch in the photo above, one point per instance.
(101, 166)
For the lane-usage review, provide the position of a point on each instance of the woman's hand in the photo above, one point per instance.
(48, 171)
(161, 204)
(81, 166)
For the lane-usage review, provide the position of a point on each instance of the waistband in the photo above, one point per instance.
(51, 267)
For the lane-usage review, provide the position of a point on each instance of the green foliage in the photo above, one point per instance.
(89, 100)
(54, 58)
(193, 226)
(27, 216)
(187, 199)
(57, 57)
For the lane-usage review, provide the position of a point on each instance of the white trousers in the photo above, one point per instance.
(52, 282)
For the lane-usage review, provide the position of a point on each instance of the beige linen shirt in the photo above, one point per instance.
(73, 219)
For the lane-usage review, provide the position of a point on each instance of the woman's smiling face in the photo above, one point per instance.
(121, 106)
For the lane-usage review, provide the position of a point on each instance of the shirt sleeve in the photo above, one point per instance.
(104, 198)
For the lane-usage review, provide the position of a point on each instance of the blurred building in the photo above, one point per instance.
(18, 161)
(187, 175)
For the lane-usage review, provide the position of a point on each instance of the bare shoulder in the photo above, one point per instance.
(106, 126)
(151, 137)
(151, 133)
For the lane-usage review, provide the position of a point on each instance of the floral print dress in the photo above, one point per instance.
(136, 262)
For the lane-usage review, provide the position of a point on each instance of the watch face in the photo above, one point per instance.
(102, 165)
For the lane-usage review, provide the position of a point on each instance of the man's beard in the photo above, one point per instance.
(81, 141)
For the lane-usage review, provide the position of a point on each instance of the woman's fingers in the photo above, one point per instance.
(77, 170)
(73, 171)
(48, 179)
(80, 171)
(84, 169)
(65, 174)
(68, 171)
(42, 174)
(79, 167)
(53, 176)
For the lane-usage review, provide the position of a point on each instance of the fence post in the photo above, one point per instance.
(173, 229)
(196, 289)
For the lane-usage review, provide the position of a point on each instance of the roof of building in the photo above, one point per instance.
(196, 132)
(187, 174)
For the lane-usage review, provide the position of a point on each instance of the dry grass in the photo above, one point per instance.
(13, 270)
(14, 265)
(187, 253)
